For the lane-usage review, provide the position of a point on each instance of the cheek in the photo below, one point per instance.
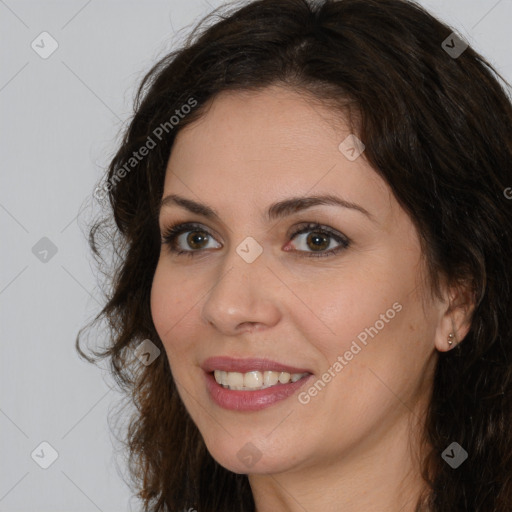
(171, 303)
(160, 301)
(347, 305)
(370, 319)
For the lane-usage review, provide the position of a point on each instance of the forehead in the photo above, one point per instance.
(250, 144)
(275, 117)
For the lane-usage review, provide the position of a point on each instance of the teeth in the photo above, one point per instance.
(254, 380)
(284, 377)
(270, 378)
(251, 380)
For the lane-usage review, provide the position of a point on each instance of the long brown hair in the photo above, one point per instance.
(437, 127)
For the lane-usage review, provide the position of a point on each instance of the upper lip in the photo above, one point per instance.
(230, 364)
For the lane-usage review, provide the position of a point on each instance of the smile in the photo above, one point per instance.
(253, 399)
(255, 379)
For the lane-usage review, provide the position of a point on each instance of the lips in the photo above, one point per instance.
(230, 364)
(253, 400)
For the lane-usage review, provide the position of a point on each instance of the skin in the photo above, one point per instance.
(354, 445)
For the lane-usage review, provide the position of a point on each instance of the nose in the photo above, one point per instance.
(243, 298)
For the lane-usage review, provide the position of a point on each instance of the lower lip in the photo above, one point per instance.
(251, 400)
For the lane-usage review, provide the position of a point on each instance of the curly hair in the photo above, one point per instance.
(437, 128)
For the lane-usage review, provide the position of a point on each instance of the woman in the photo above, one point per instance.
(311, 310)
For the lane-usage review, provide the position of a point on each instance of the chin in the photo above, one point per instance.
(251, 457)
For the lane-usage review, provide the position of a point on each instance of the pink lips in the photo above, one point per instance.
(249, 400)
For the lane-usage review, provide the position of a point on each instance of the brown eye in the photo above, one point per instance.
(321, 241)
(318, 243)
(195, 240)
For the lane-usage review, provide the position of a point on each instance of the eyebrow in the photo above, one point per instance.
(276, 210)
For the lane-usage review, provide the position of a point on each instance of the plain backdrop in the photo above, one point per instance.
(60, 120)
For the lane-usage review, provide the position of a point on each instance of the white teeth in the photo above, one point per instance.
(252, 380)
(270, 378)
(284, 377)
(255, 380)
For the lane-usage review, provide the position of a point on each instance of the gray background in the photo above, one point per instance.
(60, 120)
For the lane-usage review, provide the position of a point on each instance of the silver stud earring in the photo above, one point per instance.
(450, 338)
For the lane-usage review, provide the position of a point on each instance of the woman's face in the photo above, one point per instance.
(248, 288)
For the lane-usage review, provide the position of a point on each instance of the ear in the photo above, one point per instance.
(455, 316)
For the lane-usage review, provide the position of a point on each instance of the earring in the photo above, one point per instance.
(450, 339)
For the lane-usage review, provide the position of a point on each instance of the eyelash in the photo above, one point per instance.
(172, 232)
